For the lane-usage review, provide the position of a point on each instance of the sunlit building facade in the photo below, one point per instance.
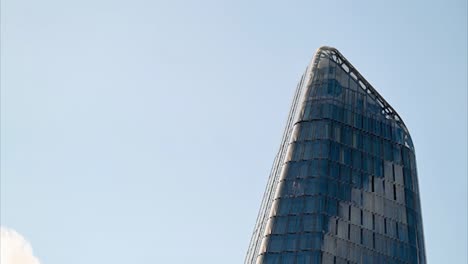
(343, 187)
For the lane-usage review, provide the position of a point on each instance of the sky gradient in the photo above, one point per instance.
(144, 131)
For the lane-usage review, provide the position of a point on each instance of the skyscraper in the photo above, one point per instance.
(343, 187)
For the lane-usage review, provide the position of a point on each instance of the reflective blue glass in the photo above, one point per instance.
(344, 187)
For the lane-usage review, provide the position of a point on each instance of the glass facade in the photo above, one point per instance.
(343, 187)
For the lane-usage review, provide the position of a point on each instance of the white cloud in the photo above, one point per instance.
(14, 249)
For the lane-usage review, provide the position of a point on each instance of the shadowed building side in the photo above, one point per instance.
(343, 186)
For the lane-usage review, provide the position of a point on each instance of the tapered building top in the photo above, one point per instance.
(343, 186)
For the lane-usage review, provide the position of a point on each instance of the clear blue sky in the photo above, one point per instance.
(144, 131)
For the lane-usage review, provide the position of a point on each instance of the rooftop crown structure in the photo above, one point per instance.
(343, 188)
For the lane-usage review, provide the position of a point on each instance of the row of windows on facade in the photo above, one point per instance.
(367, 257)
(383, 250)
(331, 80)
(327, 129)
(345, 163)
(324, 168)
(358, 101)
(342, 247)
(307, 150)
(328, 69)
(366, 216)
(317, 222)
(341, 190)
(364, 201)
(318, 108)
(342, 184)
(393, 173)
(345, 129)
(379, 125)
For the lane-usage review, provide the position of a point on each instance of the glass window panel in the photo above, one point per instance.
(304, 169)
(298, 149)
(326, 111)
(347, 136)
(378, 128)
(378, 186)
(388, 171)
(294, 224)
(366, 182)
(337, 132)
(391, 228)
(316, 111)
(311, 205)
(308, 152)
(324, 146)
(389, 190)
(409, 198)
(347, 156)
(327, 258)
(376, 146)
(271, 259)
(344, 192)
(367, 219)
(356, 179)
(355, 215)
(334, 170)
(338, 113)
(368, 164)
(280, 223)
(355, 234)
(320, 129)
(387, 131)
(341, 250)
(342, 229)
(332, 188)
(296, 205)
(367, 238)
(379, 205)
(357, 159)
(355, 254)
(290, 242)
(402, 232)
(349, 115)
(343, 211)
(345, 174)
(314, 223)
(400, 194)
(398, 170)
(367, 143)
(323, 168)
(288, 258)
(305, 242)
(379, 242)
(359, 140)
(275, 244)
(358, 120)
(332, 207)
(365, 123)
(307, 110)
(284, 205)
(291, 170)
(332, 226)
(378, 168)
(379, 224)
(360, 102)
(356, 196)
(305, 131)
(397, 154)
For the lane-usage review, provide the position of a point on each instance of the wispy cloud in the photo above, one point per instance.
(14, 249)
